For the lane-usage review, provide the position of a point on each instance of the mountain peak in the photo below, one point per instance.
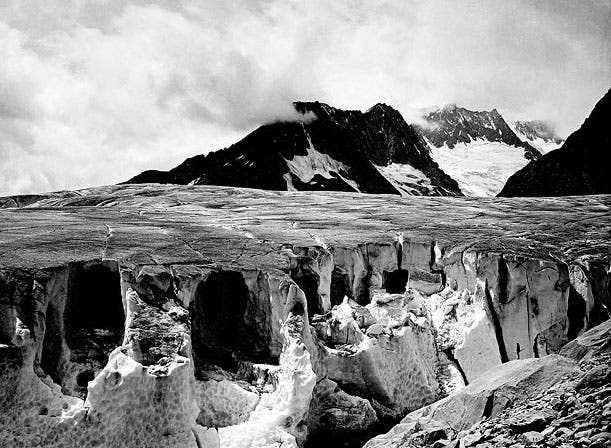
(452, 125)
(381, 107)
(345, 150)
(537, 130)
(450, 107)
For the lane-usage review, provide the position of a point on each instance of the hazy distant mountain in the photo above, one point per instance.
(579, 166)
(538, 133)
(345, 150)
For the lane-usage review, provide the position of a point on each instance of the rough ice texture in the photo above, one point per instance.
(486, 397)
(260, 313)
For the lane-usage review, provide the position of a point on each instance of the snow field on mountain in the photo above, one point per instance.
(481, 168)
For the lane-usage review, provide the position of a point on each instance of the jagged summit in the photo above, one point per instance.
(538, 129)
(580, 166)
(451, 125)
(541, 134)
(345, 150)
(477, 148)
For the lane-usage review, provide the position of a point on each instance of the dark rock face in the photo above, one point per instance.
(580, 166)
(537, 129)
(451, 125)
(338, 150)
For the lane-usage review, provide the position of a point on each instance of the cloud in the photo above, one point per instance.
(95, 91)
(84, 106)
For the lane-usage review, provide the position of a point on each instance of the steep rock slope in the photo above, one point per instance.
(552, 401)
(539, 134)
(371, 152)
(580, 166)
(477, 148)
(254, 318)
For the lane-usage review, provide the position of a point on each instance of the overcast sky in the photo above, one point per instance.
(94, 91)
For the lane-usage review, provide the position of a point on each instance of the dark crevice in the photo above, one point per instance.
(94, 298)
(362, 293)
(83, 378)
(498, 331)
(197, 441)
(576, 313)
(453, 359)
(308, 283)
(536, 346)
(503, 271)
(340, 286)
(489, 406)
(443, 277)
(395, 282)
(534, 306)
(90, 319)
(224, 329)
(297, 309)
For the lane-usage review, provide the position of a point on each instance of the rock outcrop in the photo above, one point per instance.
(331, 149)
(451, 125)
(578, 167)
(550, 401)
(198, 316)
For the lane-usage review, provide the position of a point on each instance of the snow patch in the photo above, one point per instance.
(405, 178)
(315, 162)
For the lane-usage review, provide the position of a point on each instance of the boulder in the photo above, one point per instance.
(335, 413)
(590, 343)
(486, 397)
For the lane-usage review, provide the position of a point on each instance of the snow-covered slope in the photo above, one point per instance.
(481, 168)
(314, 163)
(540, 134)
(476, 148)
(409, 180)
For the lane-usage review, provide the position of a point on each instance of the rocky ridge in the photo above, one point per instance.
(331, 149)
(578, 167)
(244, 320)
(477, 148)
(538, 133)
(451, 125)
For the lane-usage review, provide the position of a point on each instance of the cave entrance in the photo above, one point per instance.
(395, 282)
(576, 313)
(224, 329)
(92, 325)
(340, 286)
(308, 282)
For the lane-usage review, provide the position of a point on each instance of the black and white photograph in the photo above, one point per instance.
(305, 223)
